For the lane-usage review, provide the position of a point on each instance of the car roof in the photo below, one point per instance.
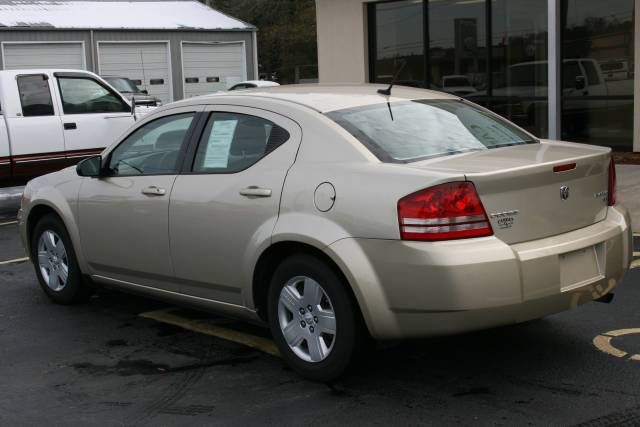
(326, 98)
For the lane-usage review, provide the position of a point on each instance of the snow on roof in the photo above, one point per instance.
(115, 14)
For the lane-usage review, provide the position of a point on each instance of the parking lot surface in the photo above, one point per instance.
(109, 362)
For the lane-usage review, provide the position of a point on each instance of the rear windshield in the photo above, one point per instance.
(409, 131)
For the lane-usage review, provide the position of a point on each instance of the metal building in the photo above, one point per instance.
(174, 49)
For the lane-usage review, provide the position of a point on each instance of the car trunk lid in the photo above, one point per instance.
(525, 198)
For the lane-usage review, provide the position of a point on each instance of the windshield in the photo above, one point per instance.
(409, 131)
(123, 85)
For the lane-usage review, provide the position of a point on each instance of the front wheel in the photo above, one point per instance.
(55, 262)
(313, 318)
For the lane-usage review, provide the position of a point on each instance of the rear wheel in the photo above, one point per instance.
(55, 262)
(312, 318)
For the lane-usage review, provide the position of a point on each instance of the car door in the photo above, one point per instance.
(93, 115)
(224, 207)
(123, 216)
(34, 127)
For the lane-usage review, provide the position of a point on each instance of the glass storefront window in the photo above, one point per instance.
(397, 40)
(597, 72)
(495, 53)
(458, 46)
(508, 76)
(519, 63)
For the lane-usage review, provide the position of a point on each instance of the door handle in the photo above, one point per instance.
(154, 191)
(70, 126)
(254, 191)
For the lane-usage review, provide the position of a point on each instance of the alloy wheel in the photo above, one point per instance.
(307, 319)
(52, 260)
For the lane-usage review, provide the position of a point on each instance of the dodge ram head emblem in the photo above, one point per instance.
(564, 192)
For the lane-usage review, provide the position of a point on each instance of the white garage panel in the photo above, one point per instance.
(146, 63)
(209, 67)
(43, 55)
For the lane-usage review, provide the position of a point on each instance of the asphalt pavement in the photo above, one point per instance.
(106, 363)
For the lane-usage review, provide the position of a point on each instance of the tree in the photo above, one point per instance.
(286, 34)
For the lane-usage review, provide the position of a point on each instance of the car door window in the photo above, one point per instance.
(82, 95)
(35, 96)
(153, 149)
(232, 142)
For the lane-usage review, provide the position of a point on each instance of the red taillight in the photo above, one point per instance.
(444, 212)
(612, 182)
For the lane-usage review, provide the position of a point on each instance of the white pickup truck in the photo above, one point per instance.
(54, 118)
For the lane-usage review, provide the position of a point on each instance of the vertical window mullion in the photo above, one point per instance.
(554, 101)
(426, 42)
(372, 41)
(489, 47)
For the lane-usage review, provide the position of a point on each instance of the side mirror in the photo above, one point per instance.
(146, 92)
(581, 83)
(90, 167)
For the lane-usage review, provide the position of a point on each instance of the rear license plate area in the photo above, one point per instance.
(581, 267)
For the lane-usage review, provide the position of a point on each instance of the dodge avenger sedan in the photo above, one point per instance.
(335, 214)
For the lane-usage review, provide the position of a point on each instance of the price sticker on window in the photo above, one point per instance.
(219, 144)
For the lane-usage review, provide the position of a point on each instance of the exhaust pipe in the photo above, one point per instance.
(606, 298)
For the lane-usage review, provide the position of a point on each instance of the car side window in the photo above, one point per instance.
(83, 95)
(35, 95)
(153, 149)
(232, 142)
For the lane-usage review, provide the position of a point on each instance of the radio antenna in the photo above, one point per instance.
(387, 91)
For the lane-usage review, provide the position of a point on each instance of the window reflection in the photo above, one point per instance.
(457, 45)
(519, 62)
(398, 38)
(597, 72)
(510, 75)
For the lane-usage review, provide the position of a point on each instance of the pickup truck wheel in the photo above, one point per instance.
(55, 262)
(312, 318)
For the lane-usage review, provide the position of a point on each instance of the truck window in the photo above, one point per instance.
(592, 73)
(35, 96)
(86, 96)
(570, 72)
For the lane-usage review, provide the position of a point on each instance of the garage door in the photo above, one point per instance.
(43, 55)
(212, 67)
(147, 64)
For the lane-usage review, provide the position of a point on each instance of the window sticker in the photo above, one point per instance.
(219, 144)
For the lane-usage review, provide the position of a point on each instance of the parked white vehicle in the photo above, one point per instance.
(55, 118)
(457, 85)
(250, 84)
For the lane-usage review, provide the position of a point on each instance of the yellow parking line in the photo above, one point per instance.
(166, 316)
(603, 343)
(2, 224)
(14, 261)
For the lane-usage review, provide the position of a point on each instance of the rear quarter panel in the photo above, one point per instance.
(367, 190)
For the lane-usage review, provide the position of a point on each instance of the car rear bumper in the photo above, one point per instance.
(414, 289)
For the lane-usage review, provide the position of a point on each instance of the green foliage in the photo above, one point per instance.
(286, 33)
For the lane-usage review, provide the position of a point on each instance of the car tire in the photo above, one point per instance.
(302, 311)
(55, 263)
